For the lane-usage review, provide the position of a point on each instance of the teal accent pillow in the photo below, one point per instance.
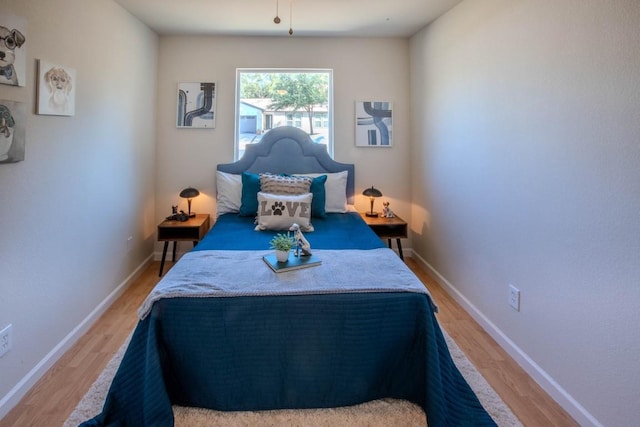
(250, 189)
(319, 196)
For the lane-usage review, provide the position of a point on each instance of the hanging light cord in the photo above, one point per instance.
(290, 17)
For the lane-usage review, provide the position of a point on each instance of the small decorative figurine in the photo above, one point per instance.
(175, 216)
(386, 211)
(302, 244)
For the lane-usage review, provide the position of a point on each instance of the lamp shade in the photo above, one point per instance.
(372, 192)
(189, 193)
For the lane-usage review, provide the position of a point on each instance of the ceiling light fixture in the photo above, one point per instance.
(290, 17)
(277, 18)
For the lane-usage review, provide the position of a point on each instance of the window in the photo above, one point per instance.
(268, 98)
(295, 120)
(320, 120)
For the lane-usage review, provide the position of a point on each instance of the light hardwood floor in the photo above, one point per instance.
(55, 396)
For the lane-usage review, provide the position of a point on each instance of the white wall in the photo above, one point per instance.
(363, 69)
(86, 184)
(525, 166)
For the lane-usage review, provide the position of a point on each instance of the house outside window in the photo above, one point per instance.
(295, 120)
(320, 120)
(268, 98)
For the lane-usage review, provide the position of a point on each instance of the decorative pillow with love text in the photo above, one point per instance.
(280, 212)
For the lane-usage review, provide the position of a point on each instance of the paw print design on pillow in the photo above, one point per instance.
(277, 208)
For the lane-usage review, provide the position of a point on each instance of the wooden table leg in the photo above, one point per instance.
(164, 255)
(399, 249)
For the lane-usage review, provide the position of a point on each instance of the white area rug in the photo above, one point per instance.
(382, 413)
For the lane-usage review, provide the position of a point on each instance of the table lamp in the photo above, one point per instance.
(372, 193)
(189, 193)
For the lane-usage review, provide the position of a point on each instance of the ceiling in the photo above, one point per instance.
(317, 18)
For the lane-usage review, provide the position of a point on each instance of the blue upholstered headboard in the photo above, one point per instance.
(289, 150)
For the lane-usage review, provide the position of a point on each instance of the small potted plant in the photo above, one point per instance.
(282, 243)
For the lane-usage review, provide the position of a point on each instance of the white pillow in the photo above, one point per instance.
(280, 211)
(229, 192)
(335, 189)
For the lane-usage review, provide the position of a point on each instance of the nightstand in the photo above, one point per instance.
(388, 228)
(193, 230)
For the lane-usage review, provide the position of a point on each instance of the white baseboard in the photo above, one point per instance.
(559, 394)
(12, 398)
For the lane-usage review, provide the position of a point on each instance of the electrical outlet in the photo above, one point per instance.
(514, 297)
(5, 340)
(129, 243)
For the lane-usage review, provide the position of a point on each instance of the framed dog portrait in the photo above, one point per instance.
(374, 124)
(56, 89)
(196, 105)
(13, 50)
(13, 117)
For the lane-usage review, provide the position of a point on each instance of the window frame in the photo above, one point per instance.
(329, 120)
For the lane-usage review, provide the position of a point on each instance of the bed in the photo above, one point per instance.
(223, 331)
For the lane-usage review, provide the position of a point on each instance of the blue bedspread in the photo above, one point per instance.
(336, 231)
(277, 352)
